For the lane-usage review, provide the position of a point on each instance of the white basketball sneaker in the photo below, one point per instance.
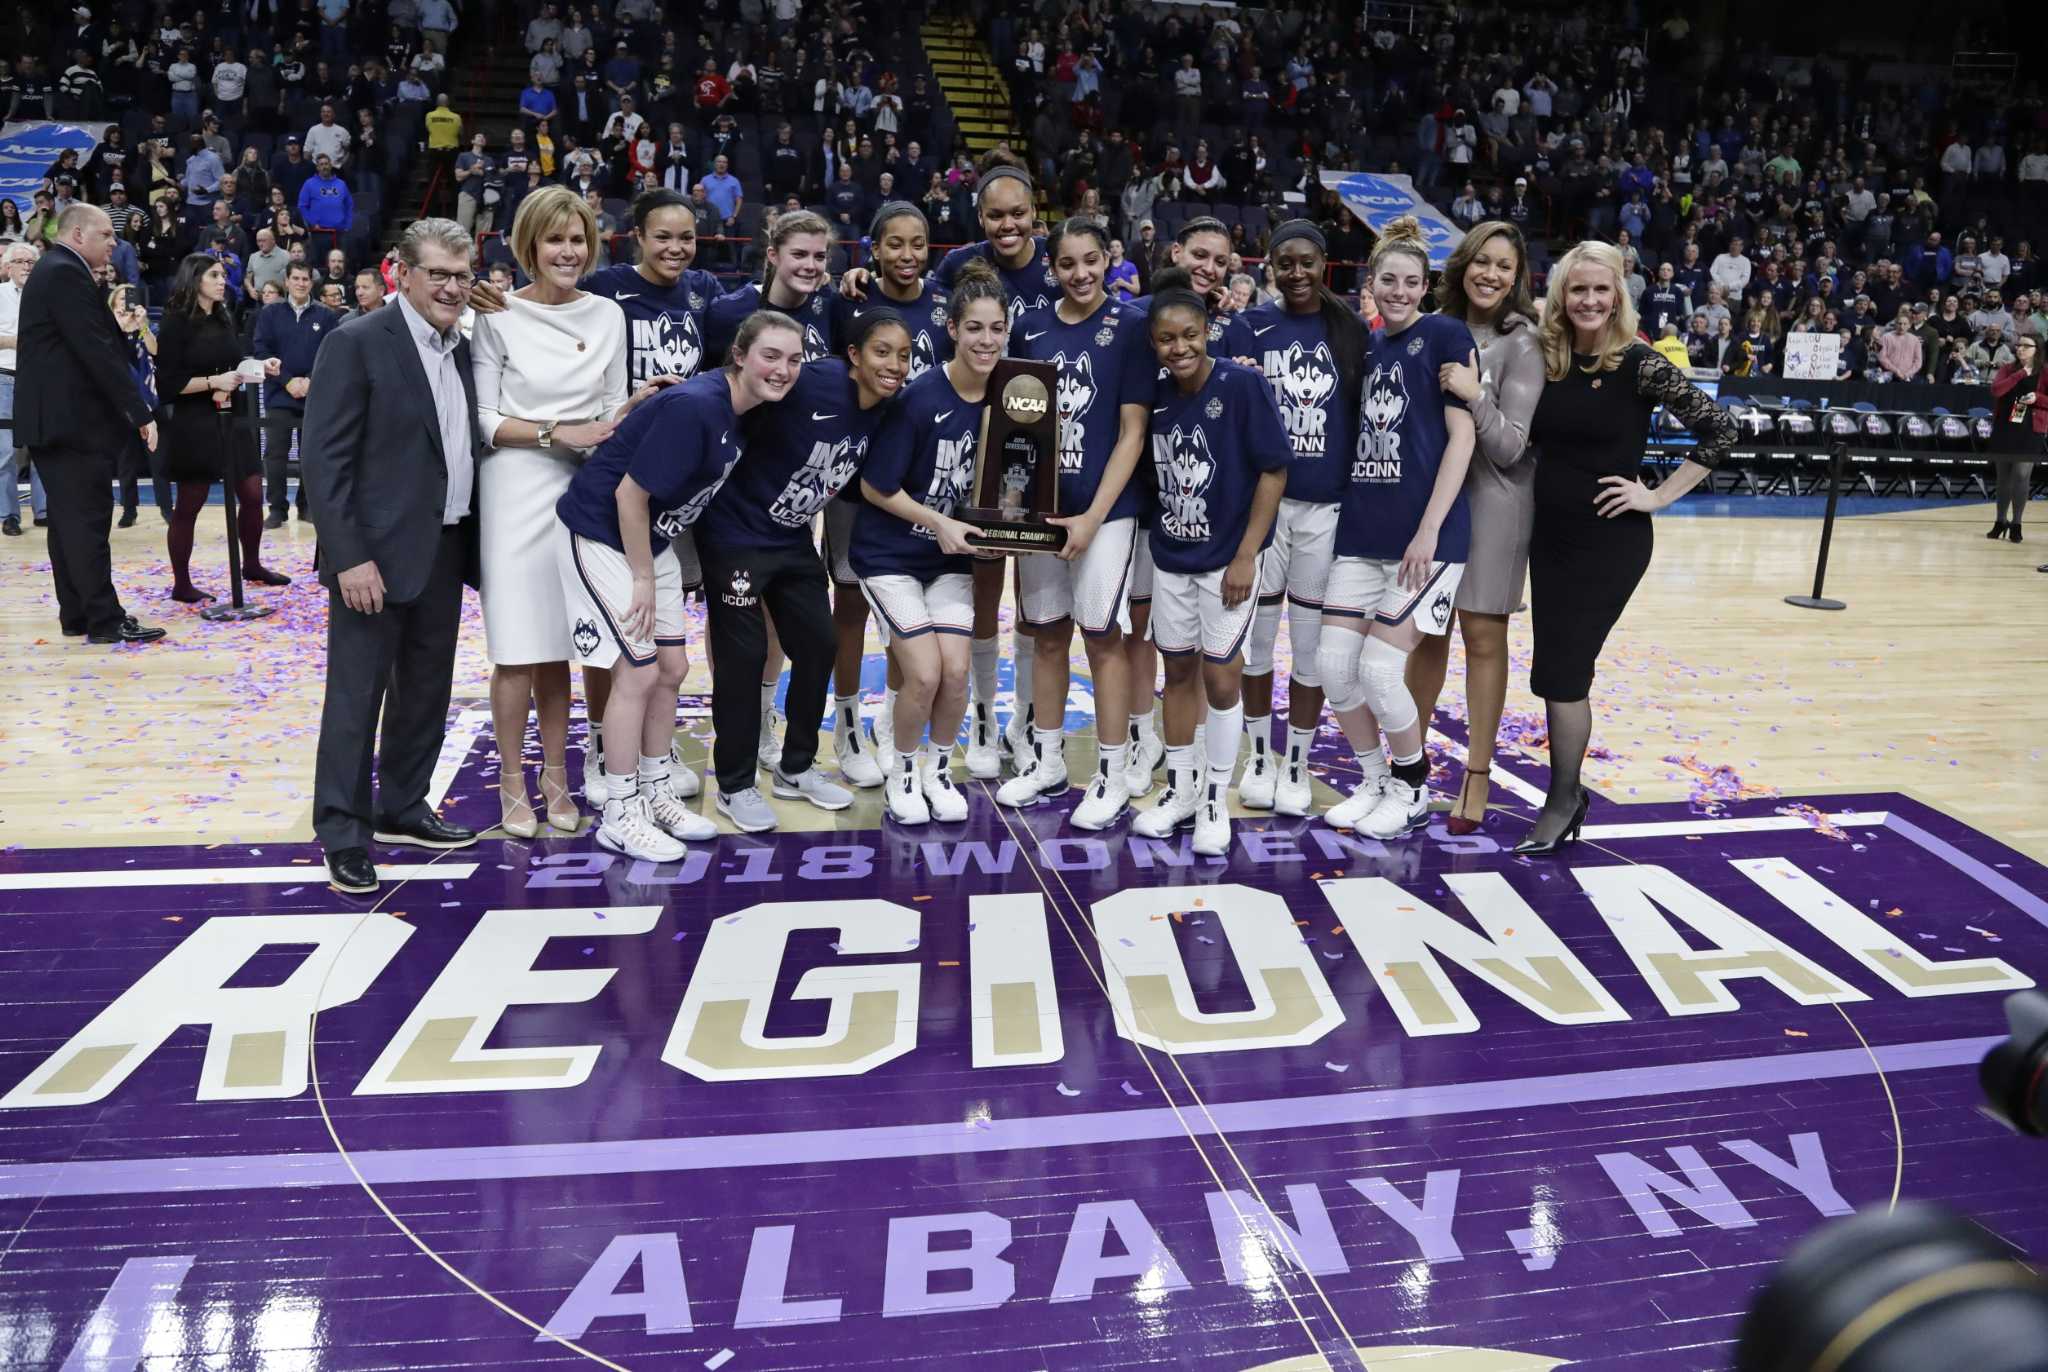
(1145, 754)
(1212, 822)
(627, 828)
(1044, 773)
(595, 790)
(1104, 801)
(983, 762)
(665, 807)
(1255, 789)
(857, 760)
(1346, 814)
(1176, 806)
(769, 750)
(1401, 809)
(1294, 795)
(907, 804)
(885, 736)
(942, 798)
(682, 779)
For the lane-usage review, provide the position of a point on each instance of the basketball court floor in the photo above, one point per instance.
(1003, 1094)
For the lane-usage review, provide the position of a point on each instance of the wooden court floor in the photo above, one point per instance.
(1929, 683)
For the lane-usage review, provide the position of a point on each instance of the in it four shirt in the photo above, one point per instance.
(1105, 362)
(801, 451)
(925, 446)
(1209, 450)
(1402, 434)
(1295, 354)
(664, 325)
(679, 446)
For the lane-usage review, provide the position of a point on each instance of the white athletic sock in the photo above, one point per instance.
(654, 768)
(889, 702)
(624, 787)
(1147, 724)
(1372, 763)
(1051, 743)
(845, 717)
(984, 655)
(1111, 758)
(1298, 741)
(1221, 736)
(1260, 729)
(907, 763)
(1180, 762)
(767, 698)
(596, 743)
(1026, 684)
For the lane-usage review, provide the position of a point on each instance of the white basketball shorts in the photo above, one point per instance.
(1094, 589)
(1370, 588)
(597, 586)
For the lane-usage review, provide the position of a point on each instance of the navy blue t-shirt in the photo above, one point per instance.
(1209, 450)
(930, 345)
(801, 451)
(1030, 287)
(1401, 440)
(679, 445)
(1295, 354)
(723, 317)
(1105, 362)
(925, 446)
(664, 325)
(1148, 497)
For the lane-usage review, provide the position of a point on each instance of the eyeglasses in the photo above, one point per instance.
(441, 280)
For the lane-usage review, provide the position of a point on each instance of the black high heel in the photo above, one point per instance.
(1998, 529)
(2012, 531)
(1570, 835)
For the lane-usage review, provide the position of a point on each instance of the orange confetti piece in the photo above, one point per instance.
(920, 899)
(949, 963)
(1796, 1034)
(174, 919)
(1894, 912)
(1301, 924)
(1338, 930)
(1200, 903)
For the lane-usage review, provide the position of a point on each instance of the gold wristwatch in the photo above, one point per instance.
(547, 434)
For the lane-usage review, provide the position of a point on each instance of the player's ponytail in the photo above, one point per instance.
(976, 280)
(1403, 234)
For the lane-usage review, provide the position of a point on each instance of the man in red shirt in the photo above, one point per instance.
(714, 92)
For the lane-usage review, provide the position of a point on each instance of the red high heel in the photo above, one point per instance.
(1458, 822)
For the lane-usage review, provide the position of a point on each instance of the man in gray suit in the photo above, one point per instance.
(389, 460)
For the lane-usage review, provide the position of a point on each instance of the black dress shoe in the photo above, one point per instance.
(428, 831)
(126, 521)
(11, 526)
(70, 632)
(350, 870)
(1569, 834)
(130, 631)
(42, 522)
(274, 520)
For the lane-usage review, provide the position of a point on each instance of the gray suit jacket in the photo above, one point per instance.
(376, 479)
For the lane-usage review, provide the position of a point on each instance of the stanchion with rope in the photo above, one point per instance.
(1838, 464)
(237, 610)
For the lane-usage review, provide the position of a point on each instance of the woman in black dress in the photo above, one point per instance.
(2018, 420)
(197, 356)
(1592, 537)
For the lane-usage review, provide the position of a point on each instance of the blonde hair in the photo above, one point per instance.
(1555, 332)
(1402, 234)
(538, 215)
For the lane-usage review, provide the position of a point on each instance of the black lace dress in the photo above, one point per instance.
(1582, 567)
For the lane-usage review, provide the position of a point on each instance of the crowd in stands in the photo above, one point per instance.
(1755, 196)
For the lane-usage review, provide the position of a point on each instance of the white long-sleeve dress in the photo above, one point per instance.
(536, 362)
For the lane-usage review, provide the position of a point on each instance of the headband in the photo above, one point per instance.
(1175, 297)
(995, 174)
(867, 321)
(1297, 228)
(890, 210)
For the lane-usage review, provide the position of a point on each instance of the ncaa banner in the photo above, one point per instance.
(1377, 199)
(29, 146)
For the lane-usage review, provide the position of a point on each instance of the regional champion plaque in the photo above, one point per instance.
(1017, 470)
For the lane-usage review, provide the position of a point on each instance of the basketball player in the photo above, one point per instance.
(1107, 374)
(1402, 536)
(643, 485)
(1219, 458)
(912, 554)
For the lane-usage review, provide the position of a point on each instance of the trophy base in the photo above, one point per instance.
(1014, 534)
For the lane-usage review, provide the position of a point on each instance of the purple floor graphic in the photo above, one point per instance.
(995, 1093)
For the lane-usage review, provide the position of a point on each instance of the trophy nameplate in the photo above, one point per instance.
(1017, 468)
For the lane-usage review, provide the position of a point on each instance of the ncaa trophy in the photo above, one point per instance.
(1017, 470)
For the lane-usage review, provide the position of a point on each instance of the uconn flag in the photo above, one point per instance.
(1379, 199)
(29, 146)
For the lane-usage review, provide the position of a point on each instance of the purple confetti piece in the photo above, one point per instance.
(1131, 1090)
(1065, 1089)
(1204, 938)
(588, 951)
(293, 890)
(1337, 1066)
(677, 939)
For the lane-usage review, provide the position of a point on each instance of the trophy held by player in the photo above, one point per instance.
(1016, 470)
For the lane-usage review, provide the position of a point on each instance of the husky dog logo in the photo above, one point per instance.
(1185, 469)
(585, 636)
(814, 342)
(665, 347)
(923, 353)
(675, 523)
(1379, 423)
(1303, 382)
(1440, 608)
(952, 476)
(1075, 393)
(823, 475)
(740, 592)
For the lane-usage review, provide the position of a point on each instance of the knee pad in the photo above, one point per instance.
(1383, 675)
(1337, 661)
(1258, 650)
(1305, 635)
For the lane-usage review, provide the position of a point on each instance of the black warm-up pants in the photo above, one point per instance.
(790, 583)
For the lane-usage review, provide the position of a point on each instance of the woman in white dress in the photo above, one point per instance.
(550, 386)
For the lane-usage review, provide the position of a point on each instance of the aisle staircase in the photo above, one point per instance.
(974, 89)
(486, 73)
